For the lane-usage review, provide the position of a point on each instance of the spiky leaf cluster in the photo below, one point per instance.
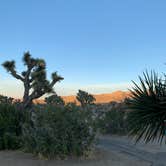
(148, 108)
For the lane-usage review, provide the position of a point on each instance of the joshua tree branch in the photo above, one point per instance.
(17, 76)
(55, 78)
(36, 94)
(10, 67)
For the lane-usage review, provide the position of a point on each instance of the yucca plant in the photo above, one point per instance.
(148, 108)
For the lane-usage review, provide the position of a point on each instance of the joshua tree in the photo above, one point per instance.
(55, 100)
(148, 108)
(85, 98)
(34, 78)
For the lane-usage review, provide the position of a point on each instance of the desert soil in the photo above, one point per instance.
(110, 151)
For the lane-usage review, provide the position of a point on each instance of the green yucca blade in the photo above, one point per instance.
(148, 108)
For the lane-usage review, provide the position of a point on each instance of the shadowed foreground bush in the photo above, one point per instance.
(113, 122)
(59, 132)
(10, 126)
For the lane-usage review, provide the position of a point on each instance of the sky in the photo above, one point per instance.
(96, 45)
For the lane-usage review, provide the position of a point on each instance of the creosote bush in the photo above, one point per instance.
(11, 120)
(55, 100)
(59, 132)
(113, 122)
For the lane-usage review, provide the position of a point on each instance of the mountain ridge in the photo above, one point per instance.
(102, 98)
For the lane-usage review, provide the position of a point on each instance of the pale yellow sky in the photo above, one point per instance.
(14, 88)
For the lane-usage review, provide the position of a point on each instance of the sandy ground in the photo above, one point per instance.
(111, 151)
(101, 158)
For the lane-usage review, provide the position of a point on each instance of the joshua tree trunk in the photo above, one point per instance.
(27, 103)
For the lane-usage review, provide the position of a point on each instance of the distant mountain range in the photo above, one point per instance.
(103, 98)
(100, 98)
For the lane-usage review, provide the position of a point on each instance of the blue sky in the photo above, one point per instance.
(96, 45)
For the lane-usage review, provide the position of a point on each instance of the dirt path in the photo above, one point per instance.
(153, 153)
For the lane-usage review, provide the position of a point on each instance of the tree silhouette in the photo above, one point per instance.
(6, 99)
(33, 78)
(85, 98)
(55, 100)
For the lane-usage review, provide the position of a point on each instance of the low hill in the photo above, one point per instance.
(100, 98)
(103, 98)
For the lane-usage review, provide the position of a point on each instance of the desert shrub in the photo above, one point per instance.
(55, 100)
(113, 122)
(11, 121)
(59, 132)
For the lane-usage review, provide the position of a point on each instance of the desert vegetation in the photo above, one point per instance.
(46, 130)
(11, 121)
(111, 118)
(85, 98)
(33, 78)
(57, 131)
(148, 108)
(142, 115)
(56, 128)
(55, 100)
